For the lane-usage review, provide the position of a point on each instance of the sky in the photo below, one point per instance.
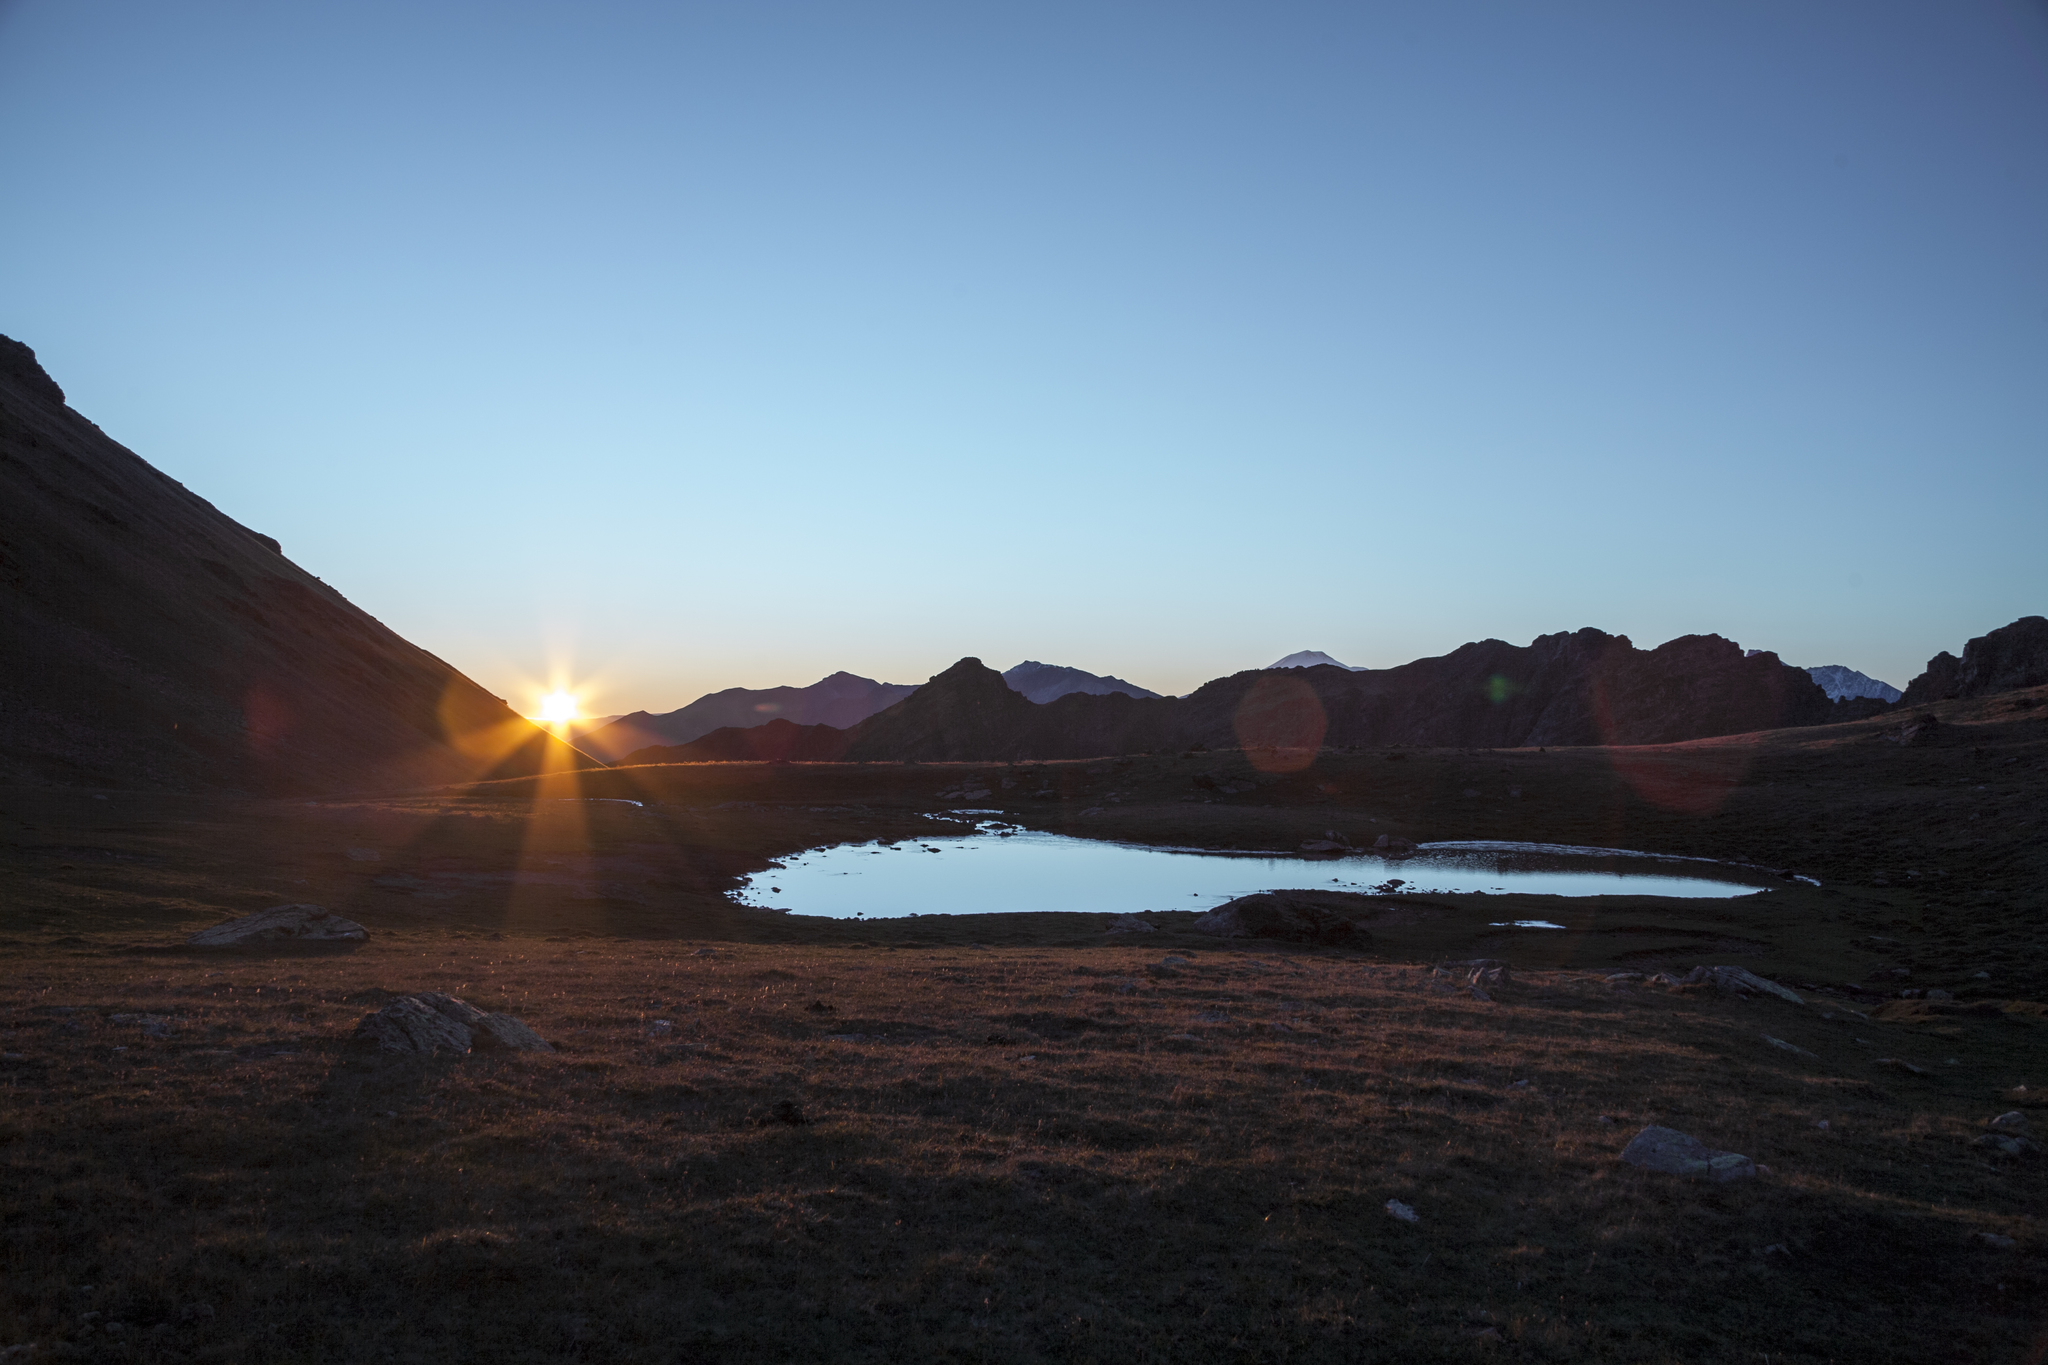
(659, 348)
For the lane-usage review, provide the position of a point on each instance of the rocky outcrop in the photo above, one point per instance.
(2003, 660)
(1289, 916)
(1675, 1153)
(432, 1022)
(310, 924)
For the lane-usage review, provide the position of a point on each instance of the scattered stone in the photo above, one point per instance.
(1478, 993)
(1784, 1046)
(661, 1028)
(1608, 1119)
(1402, 1211)
(1992, 1239)
(281, 924)
(1899, 1064)
(1921, 728)
(1617, 978)
(1127, 986)
(1212, 1017)
(2011, 1119)
(1131, 924)
(2005, 1144)
(1393, 846)
(1939, 996)
(1293, 917)
(1676, 1153)
(1095, 810)
(431, 1022)
(1822, 1125)
(786, 1112)
(705, 952)
(1739, 981)
(1323, 846)
(155, 1025)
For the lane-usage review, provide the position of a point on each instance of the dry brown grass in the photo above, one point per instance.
(1027, 1154)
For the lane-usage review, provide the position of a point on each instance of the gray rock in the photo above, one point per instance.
(1323, 846)
(503, 1033)
(1393, 846)
(2004, 1144)
(1940, 996)
(1676, 1153)
(2010, 1119)
(408, 1026)
(281, 924)
(1130, 924)
(1992, 1239)
(1739, 981)
(1291, 917)
(430, 1022)
(1784, 1046)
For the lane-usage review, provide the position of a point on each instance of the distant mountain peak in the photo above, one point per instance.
(1840, 681)
(1048, 682)
(1310, 658)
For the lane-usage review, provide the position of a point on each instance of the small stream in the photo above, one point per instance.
(1002, 869)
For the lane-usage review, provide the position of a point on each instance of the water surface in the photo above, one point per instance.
(999, 869)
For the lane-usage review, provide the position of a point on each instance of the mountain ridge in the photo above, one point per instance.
(153, 641)
(1571, 688)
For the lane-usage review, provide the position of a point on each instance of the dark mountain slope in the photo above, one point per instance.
(149, 640)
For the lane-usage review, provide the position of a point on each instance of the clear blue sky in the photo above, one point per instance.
(688, 346)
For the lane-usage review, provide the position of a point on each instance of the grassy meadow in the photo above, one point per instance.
(1022, 1138)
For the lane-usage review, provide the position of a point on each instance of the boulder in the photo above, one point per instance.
(1279, 915)
(1740, 981)
(431, 1022)
(1393, 846)
(281, 924)
(408, 1026)
(1676, 1153)
(1130, 924)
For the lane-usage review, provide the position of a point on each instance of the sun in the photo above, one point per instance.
(558, 708)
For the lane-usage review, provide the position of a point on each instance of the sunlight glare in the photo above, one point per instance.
(557, 708)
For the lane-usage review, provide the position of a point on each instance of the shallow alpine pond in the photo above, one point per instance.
(1001, 869)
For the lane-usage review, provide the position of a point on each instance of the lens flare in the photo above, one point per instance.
(558, 708)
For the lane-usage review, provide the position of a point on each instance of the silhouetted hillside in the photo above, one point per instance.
(1586, 687)
(151, 641)
(1048, 682)
(2003, 660)
(841, 700)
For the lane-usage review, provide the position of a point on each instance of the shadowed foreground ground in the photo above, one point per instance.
(1029, 1140)
(1012, 1155)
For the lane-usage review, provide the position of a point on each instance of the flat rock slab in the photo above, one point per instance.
(281, 924)
(431, 1022)
(1741, 981)
(1279, 915)
(1676, 1153)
